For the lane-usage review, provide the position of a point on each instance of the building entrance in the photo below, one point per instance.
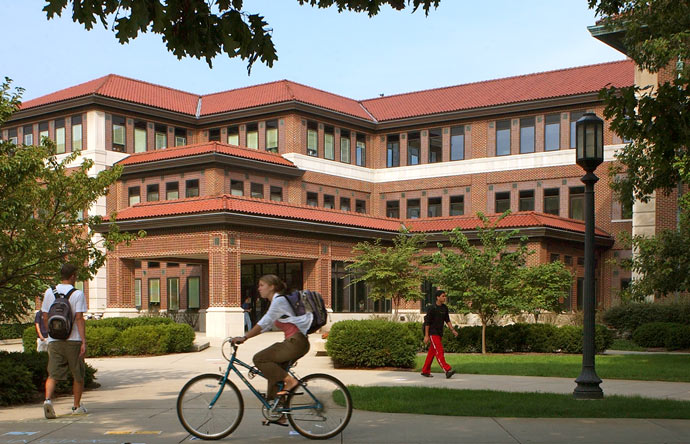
(289, 272)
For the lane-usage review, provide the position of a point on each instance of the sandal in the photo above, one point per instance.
(267, 423)
(287, 390)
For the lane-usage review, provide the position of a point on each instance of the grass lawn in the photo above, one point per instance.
(448, 402)
(662, 367)
(625, 344)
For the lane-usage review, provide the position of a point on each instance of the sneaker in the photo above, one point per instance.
(427, 375)
(450, 373)
(48, 409)
(81, 410)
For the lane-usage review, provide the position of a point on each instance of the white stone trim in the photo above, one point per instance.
(223, 322)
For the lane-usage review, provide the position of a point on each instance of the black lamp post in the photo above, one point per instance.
(590, 154)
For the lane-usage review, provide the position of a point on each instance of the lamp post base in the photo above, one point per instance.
(588, 385)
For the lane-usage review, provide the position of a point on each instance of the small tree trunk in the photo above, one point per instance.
(536, 317)
(483, 336)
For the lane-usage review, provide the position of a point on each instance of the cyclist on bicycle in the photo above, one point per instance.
(272, 360)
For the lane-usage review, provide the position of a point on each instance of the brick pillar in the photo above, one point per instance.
(224, 316)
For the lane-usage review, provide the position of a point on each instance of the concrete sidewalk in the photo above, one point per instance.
(136, 404)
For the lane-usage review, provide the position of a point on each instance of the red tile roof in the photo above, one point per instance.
(564, 82)
(284, 210)
(123, 88)
(279, 92)
(202, 148)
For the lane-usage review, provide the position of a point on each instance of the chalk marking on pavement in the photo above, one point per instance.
(133, 432)
(20, 433)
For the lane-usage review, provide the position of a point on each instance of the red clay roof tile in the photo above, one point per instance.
(202, 148)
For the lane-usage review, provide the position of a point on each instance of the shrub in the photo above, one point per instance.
(678, 338)
(180, 337)
(125, 323)
(29, 339)
(103, 341)
(13, 331)
(371, 343)
(145, 340)
(628, 317)
(16, 385)
(541, 338)
(653, 334)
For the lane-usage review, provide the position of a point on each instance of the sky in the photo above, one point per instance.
(350, 54)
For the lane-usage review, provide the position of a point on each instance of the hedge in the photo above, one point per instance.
(13, 331)
(371, 343)
(628, 317)
(129, 336)
(673, 336)
(23, 376)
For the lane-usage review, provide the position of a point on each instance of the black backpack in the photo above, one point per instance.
(306, 301)
(60, 317)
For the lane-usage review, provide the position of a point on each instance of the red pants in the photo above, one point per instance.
(435, 349)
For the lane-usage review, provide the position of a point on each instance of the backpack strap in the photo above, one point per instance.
(294, 312)
(69, 293)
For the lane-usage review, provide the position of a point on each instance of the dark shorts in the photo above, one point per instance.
(63, 359)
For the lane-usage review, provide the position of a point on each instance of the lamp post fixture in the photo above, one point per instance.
(590, 154)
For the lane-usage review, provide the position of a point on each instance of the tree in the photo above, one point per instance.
(42, 217)
(482, 280)
(204, 28)
(656, 35)
(390, 272)
(541, 287)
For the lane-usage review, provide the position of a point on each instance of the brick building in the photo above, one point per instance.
(284, 178)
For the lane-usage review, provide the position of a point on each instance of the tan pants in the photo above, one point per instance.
(273, 360)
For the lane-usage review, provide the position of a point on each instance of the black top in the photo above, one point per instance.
(435, 318)
(41, 324)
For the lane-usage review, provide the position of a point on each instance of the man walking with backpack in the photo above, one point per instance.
(67, 338)
(433, 332)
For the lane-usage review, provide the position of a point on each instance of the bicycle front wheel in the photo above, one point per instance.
(320, 407)
(209, 410)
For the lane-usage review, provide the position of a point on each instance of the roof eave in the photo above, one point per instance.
(612, 36)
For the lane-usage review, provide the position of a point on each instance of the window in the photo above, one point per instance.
(191, 188)
(12, 136)
(413, 209)
(134, 196)
(328, 143)
(77, 134)
(43, 131)
(573, 118)
(502, 201)
(503, 137)
(552, 132)
(361, 150)
(554, 257)
(137, 293)
(237, 188)
(360, 206)
(552, 201)
(526, 202)
(214, 135)
(180, 137)
(60, 136)
(393, 209)
(414, 147)
(276, 193)
(621, 211)
(234, 135)
(154, 265)
(626, 211)
(160, 136)
(154, 292)
(345, 204)
(312, 199)
(625, 283)
(193, 292)
(139, 136)
(393, 150)
(272, 136)
(348, 296)
(172, 191)
(457, 205)
(435, 145)
(312, 139)
(173, 294)
(28, 135)
(257, 190)
(152, 192)
(527, 135)
(328, 201)
(577, 203)
(253, 136)
(457, 143)
(434, 208)
(345, 146)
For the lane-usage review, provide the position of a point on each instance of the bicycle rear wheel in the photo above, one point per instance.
(320, 407)
(201, 419)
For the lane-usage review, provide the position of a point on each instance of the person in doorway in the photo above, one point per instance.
(433, 332)
(66, 356)
(272, 361)
(41, 333)
(247, 308)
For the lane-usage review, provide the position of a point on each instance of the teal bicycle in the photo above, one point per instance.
(210, 406)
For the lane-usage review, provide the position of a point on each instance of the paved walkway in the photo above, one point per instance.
(136, 404)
